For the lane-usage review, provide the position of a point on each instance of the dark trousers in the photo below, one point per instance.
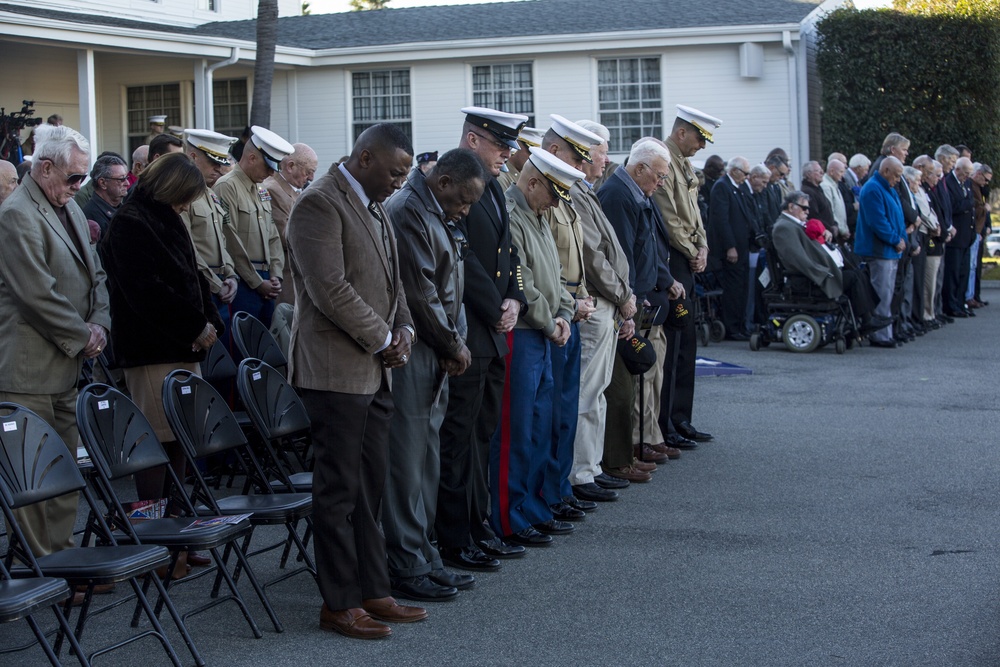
(565, 408)
(249, 301)
(464, 492)
(620, 396)
(858, 289)
(956, 278)
(979, 268)
(350, 440)
(897, 289)
(919, 263)
(734, 278)
(677, 398)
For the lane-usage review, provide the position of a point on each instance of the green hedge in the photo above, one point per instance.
(935, 79)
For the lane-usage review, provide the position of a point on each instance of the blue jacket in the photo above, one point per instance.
(880, 220)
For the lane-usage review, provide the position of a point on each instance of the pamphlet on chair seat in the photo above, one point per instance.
(214, 521)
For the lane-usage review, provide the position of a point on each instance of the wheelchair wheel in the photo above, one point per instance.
(754, 342)
(717, 331)
(704, 335)
(801, 333)
(840, 346)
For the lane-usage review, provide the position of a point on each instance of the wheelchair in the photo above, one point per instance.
(800, 315)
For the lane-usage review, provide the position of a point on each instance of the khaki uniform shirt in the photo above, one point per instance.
(565, 225)
(677, 199)
(204, 221)
(541, 279)
(509, 177)
(604, 261)
(251, 235)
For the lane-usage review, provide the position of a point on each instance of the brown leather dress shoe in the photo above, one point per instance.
(644, 466)
(390, 611)
(355, 623)
(628, 473)
(664, 448)
(649, 454)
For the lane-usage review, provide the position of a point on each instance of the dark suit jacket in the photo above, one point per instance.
(633, 224)
(348, 292)
(730, 219)
(962, 212)
(847, 192)
(491, 271)
(664, 280)
(819, 206)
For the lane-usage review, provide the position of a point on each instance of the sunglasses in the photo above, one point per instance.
(71, 179)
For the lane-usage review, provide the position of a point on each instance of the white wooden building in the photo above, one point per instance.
(107, 65)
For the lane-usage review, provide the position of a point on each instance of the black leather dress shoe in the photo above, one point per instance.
(499, 549)
(680, 442)
(738, 336)
(970, 313)
(564, 512)
(957, 313)
(946, 318)
(606, 481)
(443, 577)
(469, 558)
(555, 527)
(593, 492)
(691, 433)
(422, 589)
(582, 504)
(529, 537)
(889, 344)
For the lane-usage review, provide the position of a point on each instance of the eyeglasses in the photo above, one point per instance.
(660, 178)
(112, 178)
(499, 144)
(71, 179)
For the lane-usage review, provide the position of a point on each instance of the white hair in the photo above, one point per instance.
(760, 170)
(912, 174)
(57, 143)
(596, 128)
(646, 150)
(738, 162)
(859, 160)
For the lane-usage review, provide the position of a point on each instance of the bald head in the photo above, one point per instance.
(891, 170)
(8, 179)
(140, 158)
(299, 167)
(963, 169)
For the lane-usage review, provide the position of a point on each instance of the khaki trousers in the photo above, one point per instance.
(651, 394)
(597, 359)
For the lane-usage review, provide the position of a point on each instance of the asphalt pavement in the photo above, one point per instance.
(846, 514)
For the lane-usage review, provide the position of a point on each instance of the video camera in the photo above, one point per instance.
(21, 119)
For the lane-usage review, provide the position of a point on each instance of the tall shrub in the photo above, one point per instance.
(935, 78)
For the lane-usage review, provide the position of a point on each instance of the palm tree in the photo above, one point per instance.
(263, 71)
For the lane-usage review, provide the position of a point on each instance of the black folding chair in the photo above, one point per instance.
(254, 341)
(36, 465)
(121, 443)
(20, 598)
(281, 420)
(219, 370)
(204, 425)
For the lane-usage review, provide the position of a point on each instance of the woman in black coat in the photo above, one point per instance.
(162, 316)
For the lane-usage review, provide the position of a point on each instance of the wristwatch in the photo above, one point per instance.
(413, 333)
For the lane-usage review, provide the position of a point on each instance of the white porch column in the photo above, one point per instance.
(88, 98)
(202, 101)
